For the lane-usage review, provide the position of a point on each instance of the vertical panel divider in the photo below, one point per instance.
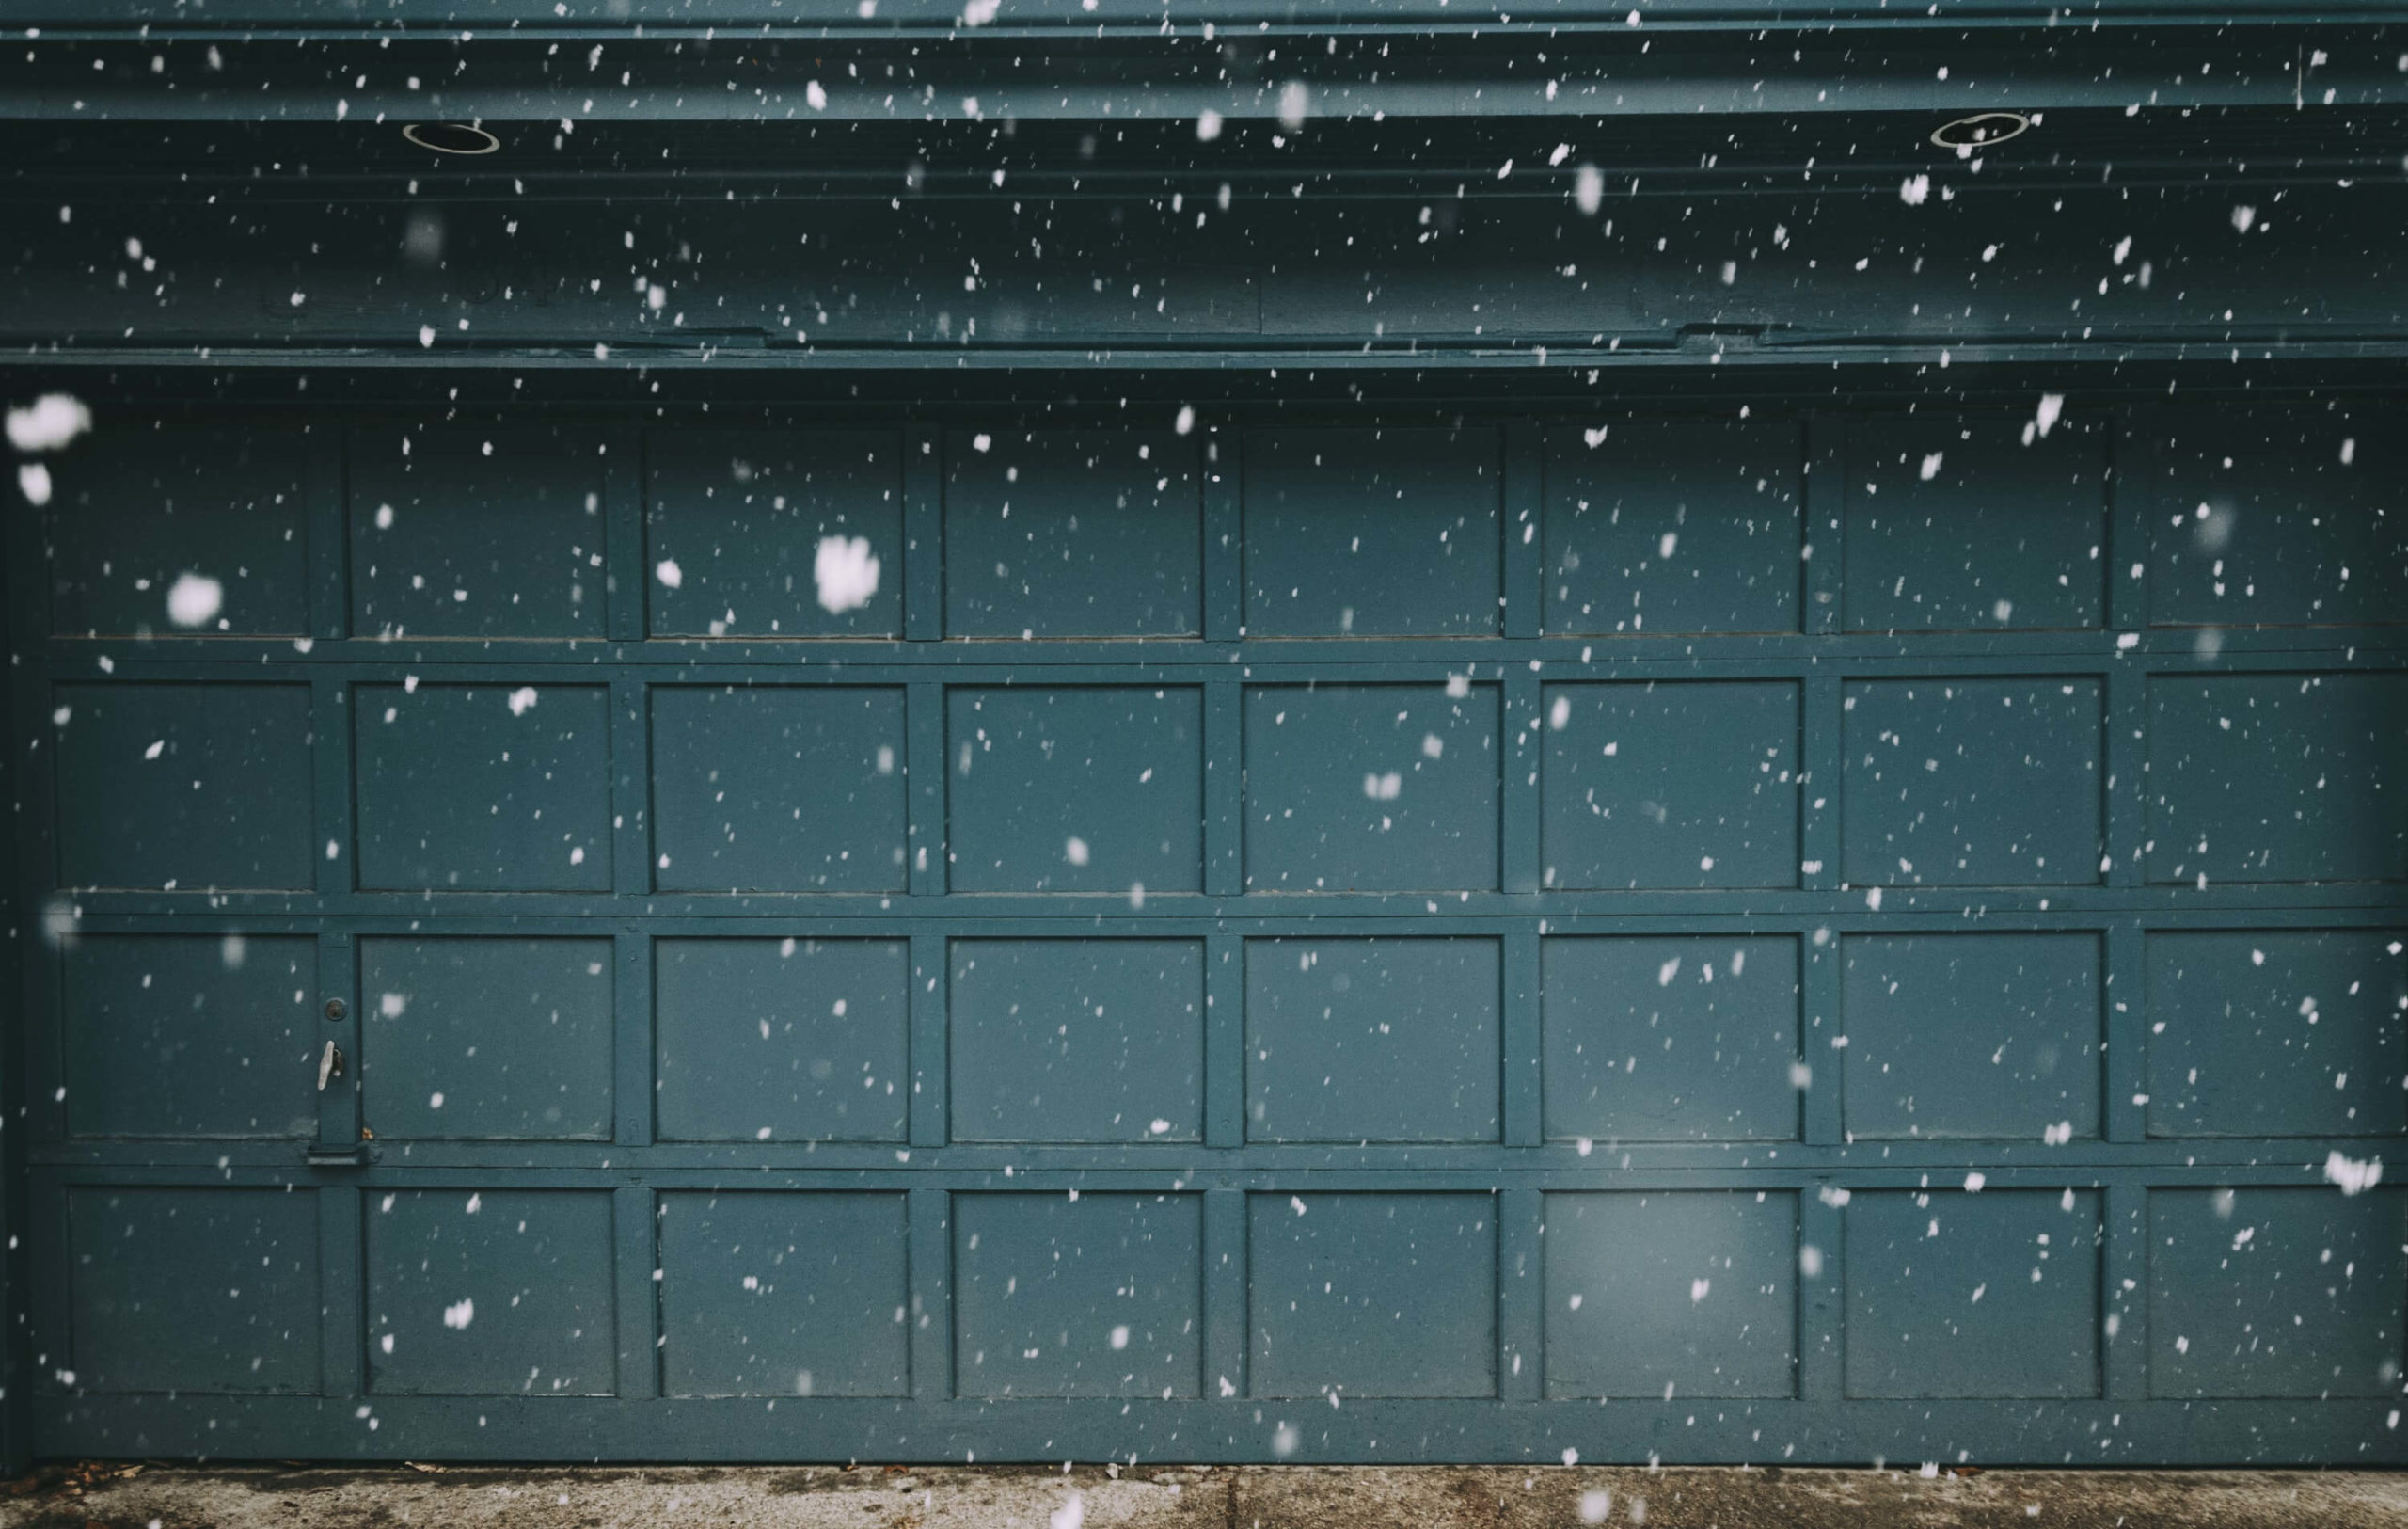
(2125, 812)
(333, 854)
(1521, 1294)
(1821, 1341)
(2124, 1306)
(932, 1277)
(342, 1354)
(50, 1255)
(626, 586)
(924, 767)
(33, 778)
(1826, 523)
(1524, 500)
(339, 1111)
(1519, 848)
(325, 503)
(1822, 1024)
(2131, 489)
(633, 1217)
(1523, 1039)
(630, 788)
(1224, 1041)
(931, 1074)
(1822, 762)
(2124, 991)
(1224, 531)
(923, 533)
(1225, 1293)
(1223, 787)
(631, 996)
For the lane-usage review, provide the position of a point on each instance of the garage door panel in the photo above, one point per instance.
(1975, 524)
(778, 788)
(1971, 1035)
(2276, 1292)
(1688, 1038)
(1681, 785)
(1076, 1041)
(483, 1039)
(174, 1035)
(2266, 515)
(736, 522)
(175, 530)
(1973, 782)
(767, 1294)
(483, 787)
(1371, 1295)
(1372, 1040)
(1380, 532)
(2278, 1033)
(463, 531)
(781, 1040)
(1672, 1294)
(1066, 533)
(208, 1290)
(183, 786)
(2277, 778)
(490, 1292)
(1062, 1044)
(1371, 787)
(1092, 1295)
(1952, 1294)
(1075, 789)
(1669, 526)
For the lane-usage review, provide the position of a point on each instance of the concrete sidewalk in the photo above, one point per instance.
(1011, 1497)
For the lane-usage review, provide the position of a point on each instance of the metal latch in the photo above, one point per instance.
(329, 1065)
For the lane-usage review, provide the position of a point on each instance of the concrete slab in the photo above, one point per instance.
(1439, 1497)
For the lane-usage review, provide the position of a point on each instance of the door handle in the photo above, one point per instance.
(329, 1065)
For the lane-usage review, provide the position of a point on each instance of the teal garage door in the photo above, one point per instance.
(1717, 936)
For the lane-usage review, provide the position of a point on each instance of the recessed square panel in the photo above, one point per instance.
(1383, 532)
(1371, 1295)
(1975, 524)
(2277, 1032)
(781, 1040)
(1670, 785)
(738, 521)
(1056, 534)
(766, 1294)
(1663, 526)
(1685, 1039)
(1679, 1295)
(1971, 783)
(1080, 1039)
(482, 1039)
(169, 1035)
(476, 531)
(490, 1292)
(192, 1290)
(1370, 788)
(1954, 1294)
(181, 532)
(1100, 1295)
(1971, 1035)
(483, 787)
(778, 788)
(2277, 778)
(2271, 1292)
(1076, 789)
(2270, 516)
(184, 787)
(1372, 1040)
